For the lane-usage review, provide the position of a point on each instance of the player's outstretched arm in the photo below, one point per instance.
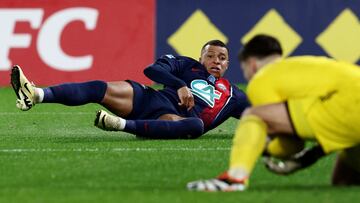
(301, 160)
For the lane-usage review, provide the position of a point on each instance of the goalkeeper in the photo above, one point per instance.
(195, 98)
(296, 98)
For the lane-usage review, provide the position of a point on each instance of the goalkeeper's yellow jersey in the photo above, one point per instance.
(323, 97)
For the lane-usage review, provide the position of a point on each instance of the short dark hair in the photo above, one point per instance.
(215, 42)
(260, 46)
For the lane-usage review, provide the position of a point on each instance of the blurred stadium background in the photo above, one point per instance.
(54, 154)
(65, 40)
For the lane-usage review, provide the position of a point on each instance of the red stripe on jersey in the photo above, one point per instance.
(210, 113)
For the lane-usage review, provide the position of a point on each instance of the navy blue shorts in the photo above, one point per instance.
(149, 103)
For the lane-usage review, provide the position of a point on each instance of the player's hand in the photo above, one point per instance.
(300, 160)
(186, 98)
(282, 167)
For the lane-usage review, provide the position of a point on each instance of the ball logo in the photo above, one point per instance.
(48, 40)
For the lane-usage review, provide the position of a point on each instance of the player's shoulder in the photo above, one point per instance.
(182, 62)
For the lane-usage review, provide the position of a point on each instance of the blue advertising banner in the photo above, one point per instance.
(322, 27)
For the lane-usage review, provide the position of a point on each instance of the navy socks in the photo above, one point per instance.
(74, 94)
(188, 128)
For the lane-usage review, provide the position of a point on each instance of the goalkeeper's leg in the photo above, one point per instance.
(248, 145)
(250, 136)
(284, 146)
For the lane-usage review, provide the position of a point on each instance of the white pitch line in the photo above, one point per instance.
(174, 149)
(47, 113)
(113, 149)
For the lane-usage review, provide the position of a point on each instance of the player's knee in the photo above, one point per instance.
(195, 127)
(284, 146)
(252, 111)
(248, 111)
(119, 89)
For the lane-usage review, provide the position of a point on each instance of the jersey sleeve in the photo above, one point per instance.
(165, 71)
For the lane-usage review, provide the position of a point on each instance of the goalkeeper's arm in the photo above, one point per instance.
(303, 159)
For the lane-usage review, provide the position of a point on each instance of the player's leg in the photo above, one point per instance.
(283, 146)
(71, 94)
(250, 136)
(119, 98)
(116, 96)
(152, 115)
(248, 145)
(174, 128)
(347, 167)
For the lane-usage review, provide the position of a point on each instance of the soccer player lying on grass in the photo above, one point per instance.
(195, 99)
(297, 98)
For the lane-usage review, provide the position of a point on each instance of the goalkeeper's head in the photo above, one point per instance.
(259, 51)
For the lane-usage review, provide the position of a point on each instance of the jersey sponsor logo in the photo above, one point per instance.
(205, 92)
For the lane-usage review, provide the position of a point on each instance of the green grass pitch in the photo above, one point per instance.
(53, 153)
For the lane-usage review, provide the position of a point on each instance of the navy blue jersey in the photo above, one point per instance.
(216, 99)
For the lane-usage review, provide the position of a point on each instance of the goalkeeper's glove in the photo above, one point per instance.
(223, 183)
(303, 159)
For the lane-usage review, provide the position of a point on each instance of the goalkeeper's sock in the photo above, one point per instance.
(188, 128)
(248, 144)
(74, 94)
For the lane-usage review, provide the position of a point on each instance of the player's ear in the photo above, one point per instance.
(253, 64)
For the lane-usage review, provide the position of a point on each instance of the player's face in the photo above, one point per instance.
(215, 59)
